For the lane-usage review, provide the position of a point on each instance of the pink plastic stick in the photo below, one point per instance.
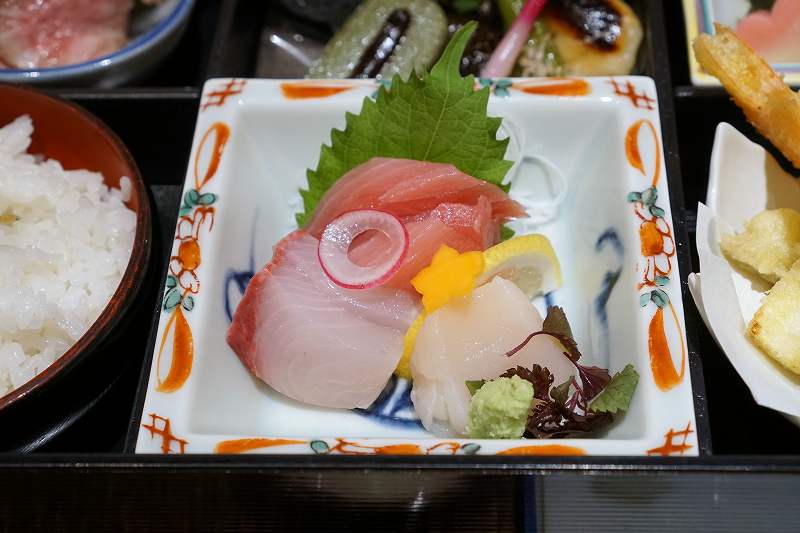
(505, 55)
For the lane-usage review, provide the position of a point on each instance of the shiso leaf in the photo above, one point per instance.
(617, 395)
(435, 117)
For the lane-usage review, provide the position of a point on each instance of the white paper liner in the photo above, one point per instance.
(744, 179)
(727, 301)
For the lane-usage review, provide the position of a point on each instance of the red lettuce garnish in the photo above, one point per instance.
(565, 410)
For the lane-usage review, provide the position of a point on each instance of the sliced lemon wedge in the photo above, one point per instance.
(528, 260)
(403, 369)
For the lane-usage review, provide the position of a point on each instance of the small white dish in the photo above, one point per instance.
(744, 179)
(154, 33)
(253, 142)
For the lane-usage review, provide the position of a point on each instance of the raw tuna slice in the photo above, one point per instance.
(463, 227)
(408, 188)
(47, 33)
(467, 340)
(438, 203)
(316, 342)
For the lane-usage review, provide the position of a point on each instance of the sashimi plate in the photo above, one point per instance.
(589, 170)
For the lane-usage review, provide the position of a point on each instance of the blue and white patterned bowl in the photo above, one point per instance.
(155, 32)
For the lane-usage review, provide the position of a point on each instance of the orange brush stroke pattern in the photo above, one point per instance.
(640, 100)
(632, 146)
(353, 448)
(306, 90)
(398, 449)
(246, 445)
(556, 87)
(634, 154)
(222, 133)
(182, 353)
(651, 239)
(219, 97)
(670, 447)
(165, 432)
(185, 260)
(664, 373)
(544, 449)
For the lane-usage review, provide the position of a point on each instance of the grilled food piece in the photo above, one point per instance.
(578, 38)
(594, 37)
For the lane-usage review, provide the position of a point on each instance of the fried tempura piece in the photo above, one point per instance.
(768, 103)
(775, 328)
(769, 244)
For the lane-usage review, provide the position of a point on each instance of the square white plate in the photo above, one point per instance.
(594, 179)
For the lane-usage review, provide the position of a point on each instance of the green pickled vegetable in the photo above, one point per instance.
(362, 41)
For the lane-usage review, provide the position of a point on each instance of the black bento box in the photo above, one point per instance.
(83, 473)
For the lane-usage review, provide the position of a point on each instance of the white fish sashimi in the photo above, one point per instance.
(467, 339)
(314, 341)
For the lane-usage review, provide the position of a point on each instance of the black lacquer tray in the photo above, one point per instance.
(83, 475)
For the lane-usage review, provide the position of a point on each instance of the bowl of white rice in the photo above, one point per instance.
(74, 239)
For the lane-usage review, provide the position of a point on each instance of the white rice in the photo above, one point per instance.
(60, 261)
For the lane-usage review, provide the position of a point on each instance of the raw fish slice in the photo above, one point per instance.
(466, 340)
(47, 33)
(405, 187)
(462, 227)
(314, 341)
(774, 34)
(473, 221)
